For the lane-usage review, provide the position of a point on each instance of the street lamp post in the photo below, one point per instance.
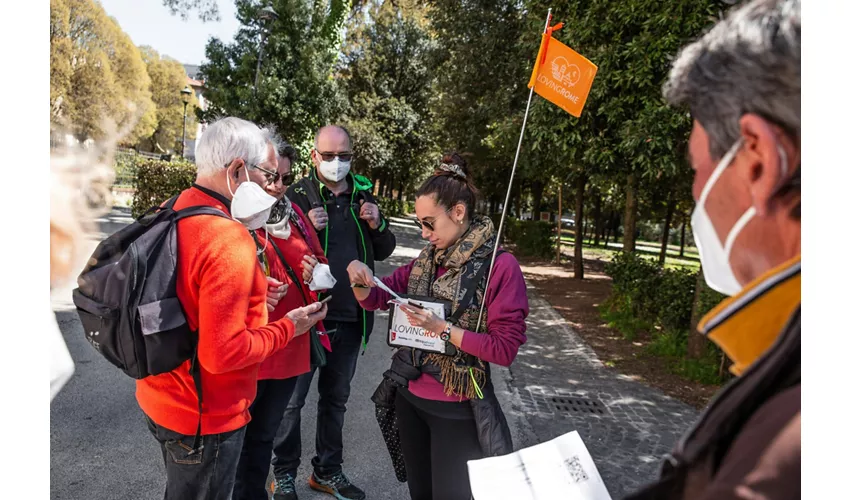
(185, 96)
(268, 15)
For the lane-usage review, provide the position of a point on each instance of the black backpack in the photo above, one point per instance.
(127, 297)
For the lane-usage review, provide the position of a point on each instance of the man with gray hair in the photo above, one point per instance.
(222, 290)
(741, 84)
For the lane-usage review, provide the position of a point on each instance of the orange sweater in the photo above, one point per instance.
(223, 292)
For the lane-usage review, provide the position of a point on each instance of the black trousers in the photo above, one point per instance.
(334, 388)
(255, 460)
(437, 439)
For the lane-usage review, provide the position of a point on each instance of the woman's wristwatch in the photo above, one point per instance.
(446, 334)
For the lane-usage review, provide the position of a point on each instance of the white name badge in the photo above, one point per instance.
(402, 334)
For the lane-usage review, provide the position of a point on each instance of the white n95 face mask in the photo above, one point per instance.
(322, 278)
(251, 204)
(335, 170)
(714, 254)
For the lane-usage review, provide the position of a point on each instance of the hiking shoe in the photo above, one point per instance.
(337, 485)
(283, 488)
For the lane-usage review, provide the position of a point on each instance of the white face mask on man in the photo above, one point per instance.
(714, 254)
(335, 170)
(251, 205)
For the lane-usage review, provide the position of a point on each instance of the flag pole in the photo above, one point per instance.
(508, 194)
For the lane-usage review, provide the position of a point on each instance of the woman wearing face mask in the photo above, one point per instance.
(289, 250)
(448, 413)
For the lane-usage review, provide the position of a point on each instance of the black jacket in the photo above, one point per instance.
(371, 244)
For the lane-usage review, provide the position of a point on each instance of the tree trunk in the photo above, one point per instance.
(597, 221)
(697, 342)
(537, 198)
(682, 236)
(607, 235)
(382, 186)
(616, 226)
(558, 243)
(630, 229)
(665, 238)
(494, 204)
(391, 186)
(516, 200)
(578, 262)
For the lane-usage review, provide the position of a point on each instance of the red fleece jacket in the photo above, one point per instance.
(294, 359)
(223, 292)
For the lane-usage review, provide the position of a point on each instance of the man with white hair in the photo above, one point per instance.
(222, 290)
(741, 84)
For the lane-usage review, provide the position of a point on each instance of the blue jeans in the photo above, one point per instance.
(266, 415)
(206, 475)
(334, 389)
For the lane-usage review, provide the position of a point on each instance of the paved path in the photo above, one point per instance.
(562, 386)
(101, 449)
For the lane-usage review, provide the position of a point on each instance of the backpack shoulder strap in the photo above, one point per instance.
(199, 210)
(312, 192)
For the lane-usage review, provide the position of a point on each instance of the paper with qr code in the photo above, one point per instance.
(561, 468)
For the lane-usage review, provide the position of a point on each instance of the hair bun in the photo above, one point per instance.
(454, 165)
(453, 169)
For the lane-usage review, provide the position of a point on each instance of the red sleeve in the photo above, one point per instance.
(232, 303)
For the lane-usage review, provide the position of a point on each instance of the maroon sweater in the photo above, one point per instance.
(507, 308)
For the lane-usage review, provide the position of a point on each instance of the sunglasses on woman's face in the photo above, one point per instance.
(331, 156)
(429, 224)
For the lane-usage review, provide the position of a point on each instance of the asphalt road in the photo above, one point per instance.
(101, 448)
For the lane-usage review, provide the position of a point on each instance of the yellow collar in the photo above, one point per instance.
(746, 325)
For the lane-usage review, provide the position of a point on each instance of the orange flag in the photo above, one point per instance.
(561, 75)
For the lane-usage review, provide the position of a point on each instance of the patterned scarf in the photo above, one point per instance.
(462, 261)
(278, 223)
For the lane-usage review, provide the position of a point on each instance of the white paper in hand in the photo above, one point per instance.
(322, 278)
(560, 468)
(395, 297)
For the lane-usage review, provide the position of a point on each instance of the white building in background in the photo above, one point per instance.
(197, 85)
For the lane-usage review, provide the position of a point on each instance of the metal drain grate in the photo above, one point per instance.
(572, 404)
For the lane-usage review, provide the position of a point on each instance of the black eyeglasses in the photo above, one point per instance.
(331, 156)
(271, 177)
(429, 225)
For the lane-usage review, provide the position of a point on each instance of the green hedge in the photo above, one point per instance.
(532, 238)
(649, 298)
(158, 180)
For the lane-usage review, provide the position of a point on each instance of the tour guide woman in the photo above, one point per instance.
(445, 405)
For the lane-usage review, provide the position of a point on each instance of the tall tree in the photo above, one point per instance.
(96, 73)
(168, 78)
(295, 91)
(480, 70)
(388, 84)
(626, 131)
